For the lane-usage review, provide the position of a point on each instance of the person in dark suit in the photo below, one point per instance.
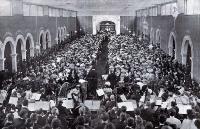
(92, 82)
(19, 123)
(112, 78)
(104, 118)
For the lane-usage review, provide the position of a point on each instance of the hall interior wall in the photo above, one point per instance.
(185, 25)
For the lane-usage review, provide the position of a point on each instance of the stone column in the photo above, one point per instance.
(32, 51)
(14, 62)
(44, 44)
(23, 54)
(56, 39)
(170, 50)
(49, 44)
(2, 64)
(184, 57)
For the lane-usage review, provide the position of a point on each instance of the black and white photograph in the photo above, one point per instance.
(99, 64)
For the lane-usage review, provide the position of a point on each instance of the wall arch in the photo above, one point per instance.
(12, 44)
(23, 43)
(9, 40)
(41, 40)
(187, 41)
(99, 18)
(172, 44)
(29, 37)
(48, 38)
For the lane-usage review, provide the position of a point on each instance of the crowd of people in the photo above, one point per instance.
(138, 71)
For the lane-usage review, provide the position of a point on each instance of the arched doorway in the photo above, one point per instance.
(19, 49)
(47, 41)
(172, 45)
(59, 35)
(28, 46)
(8, 58)
(42, 42)
(107, 26)
(187, 55)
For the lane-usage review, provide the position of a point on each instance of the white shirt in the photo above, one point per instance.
(173, 120)
(188, 124)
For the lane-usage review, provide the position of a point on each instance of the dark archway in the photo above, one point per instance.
(107, 26)
(19, 55)
(41, 41)
(47, 40)
(28, 55)
(8, 58)
(189, 58)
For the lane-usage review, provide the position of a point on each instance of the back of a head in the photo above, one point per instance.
(172, 112)
(109, 126)
(123, 108)
(130, 121)
(80, 120)
(149, 125)
(162, 119)
(104, 116)
(112, 114)
(137, 111)
(197, 123)
(25, 102)
(122, 117)
(55, 123)
(190, 114)
(34, 117)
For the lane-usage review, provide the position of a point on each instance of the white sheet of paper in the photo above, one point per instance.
(100, 92)
(44, 105)
(93, 105)
(183, 108)
(128, 105)
(13, 100)
(68, 104)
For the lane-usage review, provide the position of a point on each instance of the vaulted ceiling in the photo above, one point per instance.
(100, 6)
